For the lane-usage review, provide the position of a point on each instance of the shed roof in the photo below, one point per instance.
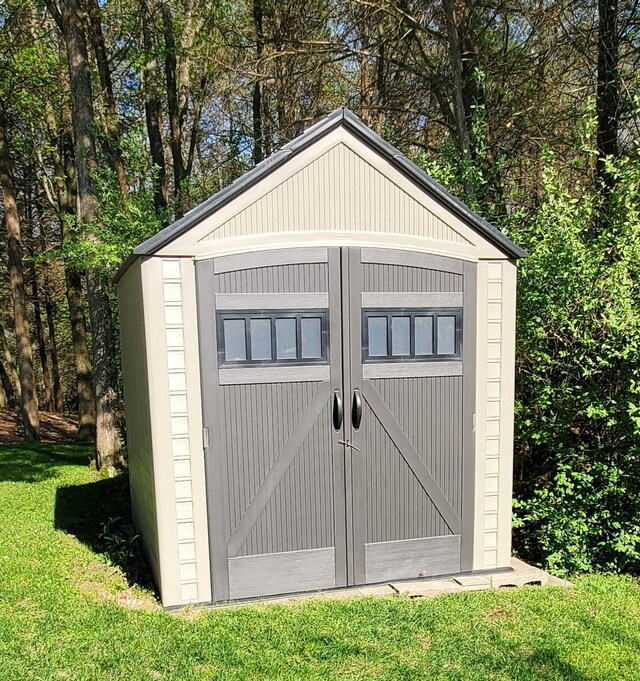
(340, 117)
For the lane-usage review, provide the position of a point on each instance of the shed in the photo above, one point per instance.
(319, 378)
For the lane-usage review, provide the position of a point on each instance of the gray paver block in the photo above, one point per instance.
(426, 588)
(473, 582)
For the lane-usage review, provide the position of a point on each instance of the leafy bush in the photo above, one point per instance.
(578, 378)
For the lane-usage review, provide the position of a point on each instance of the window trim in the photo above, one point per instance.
(412, 313)
(297, 314)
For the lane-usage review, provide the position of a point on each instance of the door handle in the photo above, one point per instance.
(356, 410)
(338, 410)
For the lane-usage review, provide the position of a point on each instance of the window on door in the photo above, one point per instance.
(411, 335)
(273, 337)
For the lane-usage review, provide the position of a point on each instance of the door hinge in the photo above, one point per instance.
(205, 438)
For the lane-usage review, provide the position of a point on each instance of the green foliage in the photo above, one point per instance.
(120, 226)
(578, 377)
(120, 547)
(477, 180)
(57, 600)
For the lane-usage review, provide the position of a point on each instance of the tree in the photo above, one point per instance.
(607, 106)
(69, 18)
(28, 396)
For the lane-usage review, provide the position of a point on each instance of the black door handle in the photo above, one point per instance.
(338, 410)
(356, 410)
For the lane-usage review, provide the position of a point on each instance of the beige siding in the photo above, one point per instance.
(177, 427)
(361, 199)
(336, 191)
(193, 535)
(494, 413)
(137, 406)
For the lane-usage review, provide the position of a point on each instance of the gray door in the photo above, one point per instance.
(335, 422)
(270, 339)
(410, 368)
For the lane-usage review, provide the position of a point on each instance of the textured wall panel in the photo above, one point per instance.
(397, 506)
(179, 418)
(337, 191)
(138, 410)
(254, 436)
(299, 515)
(492, 411)
(382, 277)
(305, 278)
(430, 413)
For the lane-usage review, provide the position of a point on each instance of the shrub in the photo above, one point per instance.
(578, 379)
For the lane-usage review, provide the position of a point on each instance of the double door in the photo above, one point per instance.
(337, 417)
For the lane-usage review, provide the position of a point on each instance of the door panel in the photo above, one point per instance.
(275, 470)
(408, 452)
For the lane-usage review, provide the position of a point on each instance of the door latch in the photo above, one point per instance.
(346, 443)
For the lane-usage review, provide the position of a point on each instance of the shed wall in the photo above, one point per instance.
(137, 405)
(494, 412)
(162, 396)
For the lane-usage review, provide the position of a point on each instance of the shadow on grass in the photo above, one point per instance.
(85, 510)
(547, 663)
(36, 462)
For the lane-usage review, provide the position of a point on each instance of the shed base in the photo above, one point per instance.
(519, 574)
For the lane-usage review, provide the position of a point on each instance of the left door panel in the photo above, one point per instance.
(271, 361)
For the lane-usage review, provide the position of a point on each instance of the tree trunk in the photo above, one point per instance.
(28, 398)
(9, 365)
(5, 388)
(82, 359)
(108, 440)
(152, 109)
(42, 346)
(111, 124)
(109, 451)
(258, 148)
(455, 56)
(607, 91)
(49, 309)
(175, 129)
(47, 382)
(67, 204)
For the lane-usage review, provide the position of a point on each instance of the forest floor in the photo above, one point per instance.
(67, 611)
(53, 427)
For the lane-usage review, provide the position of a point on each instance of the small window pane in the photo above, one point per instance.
(311, 331)
(424, 336)
(260, 333)
(235, 346)
(401, 336)
(446, 335)
(286, 338)
(377, 329)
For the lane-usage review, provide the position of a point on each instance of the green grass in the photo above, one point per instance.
(65, 614)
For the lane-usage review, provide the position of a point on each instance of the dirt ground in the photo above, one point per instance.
(53, 427)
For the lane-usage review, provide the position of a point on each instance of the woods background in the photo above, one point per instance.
(118, 116)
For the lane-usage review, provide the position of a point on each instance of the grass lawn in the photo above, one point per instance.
(66, 614)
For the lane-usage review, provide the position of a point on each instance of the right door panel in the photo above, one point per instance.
(405, 367)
